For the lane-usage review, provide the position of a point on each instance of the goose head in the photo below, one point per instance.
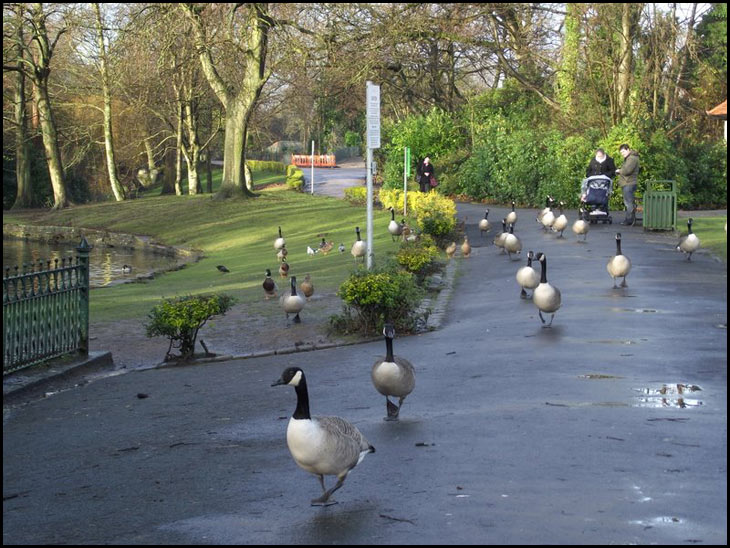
(357, 231)
(530, 256)
(293, 286)
(689, 225)
(618, 243)
(486, 213)
(291, 376)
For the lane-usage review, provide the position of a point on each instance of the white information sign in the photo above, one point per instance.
(373, 115)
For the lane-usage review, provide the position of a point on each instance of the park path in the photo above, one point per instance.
(590, 432)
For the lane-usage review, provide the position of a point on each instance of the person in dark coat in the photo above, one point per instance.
(601, 164)
(424, 172)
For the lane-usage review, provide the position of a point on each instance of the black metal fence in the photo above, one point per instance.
(46, 310)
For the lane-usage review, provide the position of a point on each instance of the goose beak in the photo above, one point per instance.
(278, 382)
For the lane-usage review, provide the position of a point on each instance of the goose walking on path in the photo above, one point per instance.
(484, 224)
(545, 296)
(512, 243)
(690, 242)
(560, 222)
(323, 446)
(512, 215)
(619, 265)
(581, 226)
(527, 277)
(293, 303)
(393, 376)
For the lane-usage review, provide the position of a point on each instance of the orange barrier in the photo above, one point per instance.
(320, 160)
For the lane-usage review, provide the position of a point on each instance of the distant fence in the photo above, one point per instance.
(46, 311)
(320, 160)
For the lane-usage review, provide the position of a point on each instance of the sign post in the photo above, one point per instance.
(373, 141)
(312, 167)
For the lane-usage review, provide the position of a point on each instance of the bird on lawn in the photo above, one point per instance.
(323, 446)
(269, 285)
(222, 268)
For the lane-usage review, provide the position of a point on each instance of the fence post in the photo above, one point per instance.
(83, 258)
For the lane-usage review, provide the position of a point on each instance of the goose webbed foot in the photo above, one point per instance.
(297, 319)
(325, 499)
(523, 294)
(624, 284)
(393, 410)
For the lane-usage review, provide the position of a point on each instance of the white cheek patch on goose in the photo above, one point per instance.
(296, 378)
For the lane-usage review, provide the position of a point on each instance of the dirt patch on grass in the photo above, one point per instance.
(245, 329)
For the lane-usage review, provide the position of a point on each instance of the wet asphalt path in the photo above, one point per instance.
(514, 434)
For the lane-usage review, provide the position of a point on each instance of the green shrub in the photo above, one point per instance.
(356, 195)
(435, 214)
(376, 297)
(418, 257)
(263, 165)
(294, 178)
(179, 319)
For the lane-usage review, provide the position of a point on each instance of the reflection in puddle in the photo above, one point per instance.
(669, 395)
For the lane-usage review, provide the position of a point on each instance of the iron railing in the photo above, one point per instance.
(46, 310)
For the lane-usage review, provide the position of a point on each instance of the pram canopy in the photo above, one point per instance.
(595, 190)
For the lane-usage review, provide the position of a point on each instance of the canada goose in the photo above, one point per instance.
(323, 446)
(269, 285)
(619, 265)
(279, 242)
(450, 250)
(499, 238)
(466, 247)
(548, 218)
(484, 224)
(527, 277)
(284, 268)
(395, 228)
(581, 226)
(512, 215)
(293, 303)
(541, 214)
(283, 252)
(126, 269)
(359, 248)
(545, 296)
(689, 243)
(512, 243)
(561, 221)
(393, 376)
(307, 287)
(222, 268)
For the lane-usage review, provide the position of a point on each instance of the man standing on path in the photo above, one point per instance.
(628, 178)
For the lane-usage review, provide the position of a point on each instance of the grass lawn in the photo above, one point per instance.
(712, 235)
(237, 233)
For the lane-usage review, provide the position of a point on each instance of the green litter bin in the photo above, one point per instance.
(660, 205)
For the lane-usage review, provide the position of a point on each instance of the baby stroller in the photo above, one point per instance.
(595, 191)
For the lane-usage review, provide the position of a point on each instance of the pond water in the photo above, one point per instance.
(106, 263)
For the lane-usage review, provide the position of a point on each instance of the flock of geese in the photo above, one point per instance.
(332, 446)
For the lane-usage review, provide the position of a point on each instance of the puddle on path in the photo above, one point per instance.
(669, 395)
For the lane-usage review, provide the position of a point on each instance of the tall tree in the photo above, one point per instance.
(246, 30)
(106, 92)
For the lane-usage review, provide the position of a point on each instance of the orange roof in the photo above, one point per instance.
(720, 110)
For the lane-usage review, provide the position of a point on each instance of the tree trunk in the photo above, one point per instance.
(50, 144)
(108, 136)
(209, 170)
(626, 40)
(234, 172)
(24, 196)
(41, 71)
(178, 151)
(569, 69)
